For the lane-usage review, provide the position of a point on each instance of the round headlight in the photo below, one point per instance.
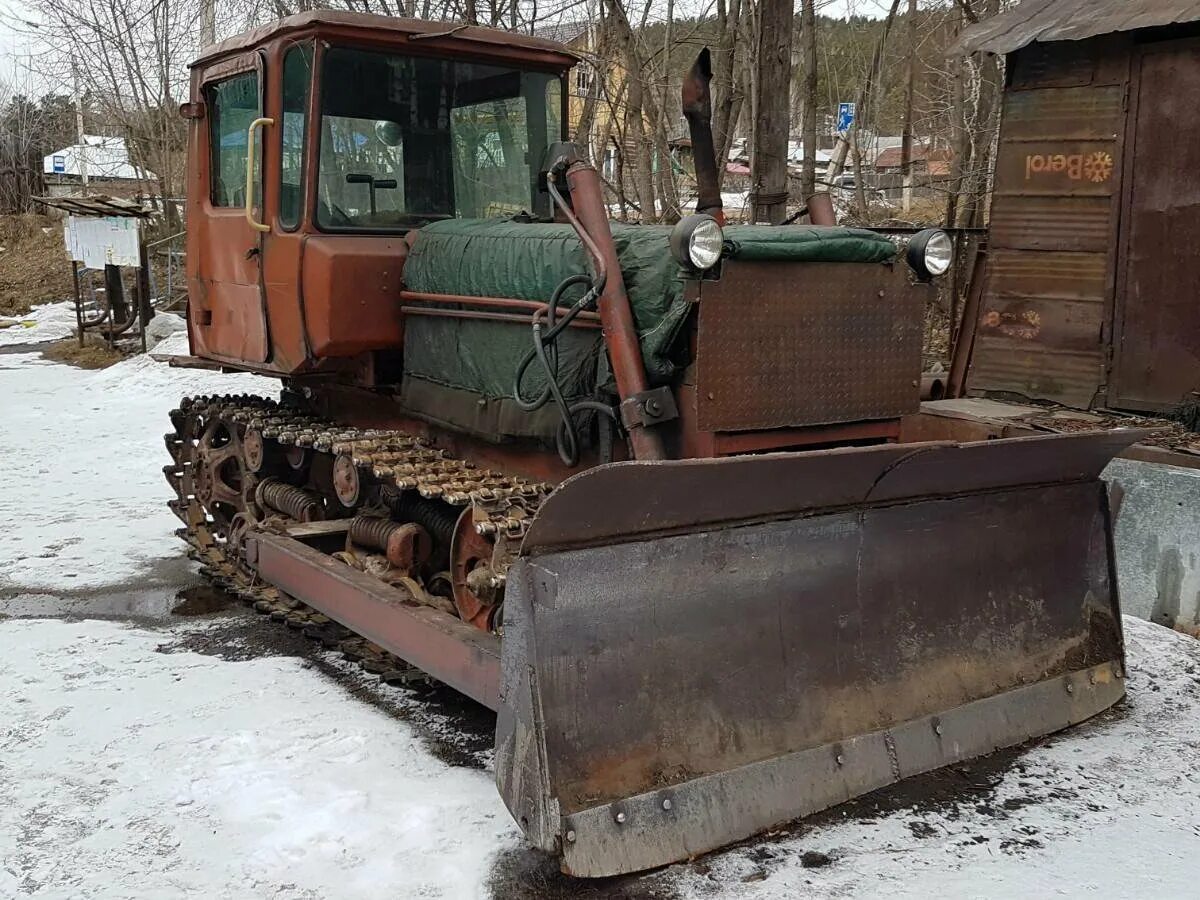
(697, 241)
(930, 253)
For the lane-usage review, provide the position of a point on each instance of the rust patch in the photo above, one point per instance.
(1024, 324)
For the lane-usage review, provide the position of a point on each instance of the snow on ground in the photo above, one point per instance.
(129, 772)
(82, 467)
(55, 321)
(137, 761)
(167, 325)
(48, 322)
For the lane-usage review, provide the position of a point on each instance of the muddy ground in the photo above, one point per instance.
(33, 263)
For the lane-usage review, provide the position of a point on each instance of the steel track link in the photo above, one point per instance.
(502, 505)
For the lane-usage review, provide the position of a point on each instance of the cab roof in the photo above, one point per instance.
(467, 40)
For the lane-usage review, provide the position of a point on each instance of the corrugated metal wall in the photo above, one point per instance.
(1054, 214)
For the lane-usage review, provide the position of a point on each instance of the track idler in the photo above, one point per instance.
(284, 498)
(478, 588)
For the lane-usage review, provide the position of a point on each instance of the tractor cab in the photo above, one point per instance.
(319, 141)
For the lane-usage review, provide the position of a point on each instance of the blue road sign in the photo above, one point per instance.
(845, 117)
(59, 164)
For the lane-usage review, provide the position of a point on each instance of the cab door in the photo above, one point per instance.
(286, 142)
(227, 306)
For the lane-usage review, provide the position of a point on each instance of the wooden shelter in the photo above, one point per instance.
(1092, 295)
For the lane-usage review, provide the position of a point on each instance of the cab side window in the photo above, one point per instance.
(233, 105)
(297, 80)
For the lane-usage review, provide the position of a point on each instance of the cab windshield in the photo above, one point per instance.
(407, 140)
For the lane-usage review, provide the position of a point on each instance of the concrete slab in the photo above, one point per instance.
(1157, 540)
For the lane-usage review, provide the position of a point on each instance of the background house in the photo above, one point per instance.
(109, 171)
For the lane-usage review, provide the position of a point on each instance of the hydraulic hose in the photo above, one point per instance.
(545, 344)
(550, 338)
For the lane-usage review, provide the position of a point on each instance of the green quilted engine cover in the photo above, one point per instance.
(502, 258)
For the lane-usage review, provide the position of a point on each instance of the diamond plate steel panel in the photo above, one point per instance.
(807, 344)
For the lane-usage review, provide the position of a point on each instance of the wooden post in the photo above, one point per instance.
(78, 299)
(772, 87)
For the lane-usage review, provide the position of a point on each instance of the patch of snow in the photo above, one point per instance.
(48, 322)
(164, 325)
(83, 456)
(174, 344)
(134, 773)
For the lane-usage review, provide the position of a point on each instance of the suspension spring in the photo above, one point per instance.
(289, 500)
(436, 517)
(406, 544)
(372, 531)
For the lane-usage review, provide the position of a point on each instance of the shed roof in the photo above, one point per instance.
(1072, 20)
(563, 32)
(486, 38)
(890, 158)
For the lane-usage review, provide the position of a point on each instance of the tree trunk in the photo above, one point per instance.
(772, 107)
(808, 125)
(639, 106)
(984, 137)
(959, 145)
(727, 90)
(906, 136)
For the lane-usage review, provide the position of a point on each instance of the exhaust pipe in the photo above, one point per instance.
(697, 109)
(820, 209)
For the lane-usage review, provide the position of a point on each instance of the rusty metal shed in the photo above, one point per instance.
(1092, 295)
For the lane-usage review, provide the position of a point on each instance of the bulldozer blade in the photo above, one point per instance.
(695, 651)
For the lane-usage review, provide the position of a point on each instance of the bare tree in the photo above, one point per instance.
(906, 139)
(838, 162)
(808, 126)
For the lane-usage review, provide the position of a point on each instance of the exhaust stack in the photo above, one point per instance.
(697, 109)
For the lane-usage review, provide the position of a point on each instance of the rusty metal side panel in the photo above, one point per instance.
(351, 287)
(442, 645)
(783, 638)
(1056, 167)
(1043, 322)
(1046, 223)
(783, 345)
(1037, 372)
(1077, 113)
(1157, 335)
(1062, 65)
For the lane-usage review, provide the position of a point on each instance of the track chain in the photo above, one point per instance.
(502, 505)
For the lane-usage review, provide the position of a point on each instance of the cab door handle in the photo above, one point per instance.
(254, 126)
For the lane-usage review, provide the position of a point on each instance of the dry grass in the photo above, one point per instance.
(926, 211)
(94, 354)
(936, 345)
(34, 268)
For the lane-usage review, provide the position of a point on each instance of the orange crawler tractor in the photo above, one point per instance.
(650, 493)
